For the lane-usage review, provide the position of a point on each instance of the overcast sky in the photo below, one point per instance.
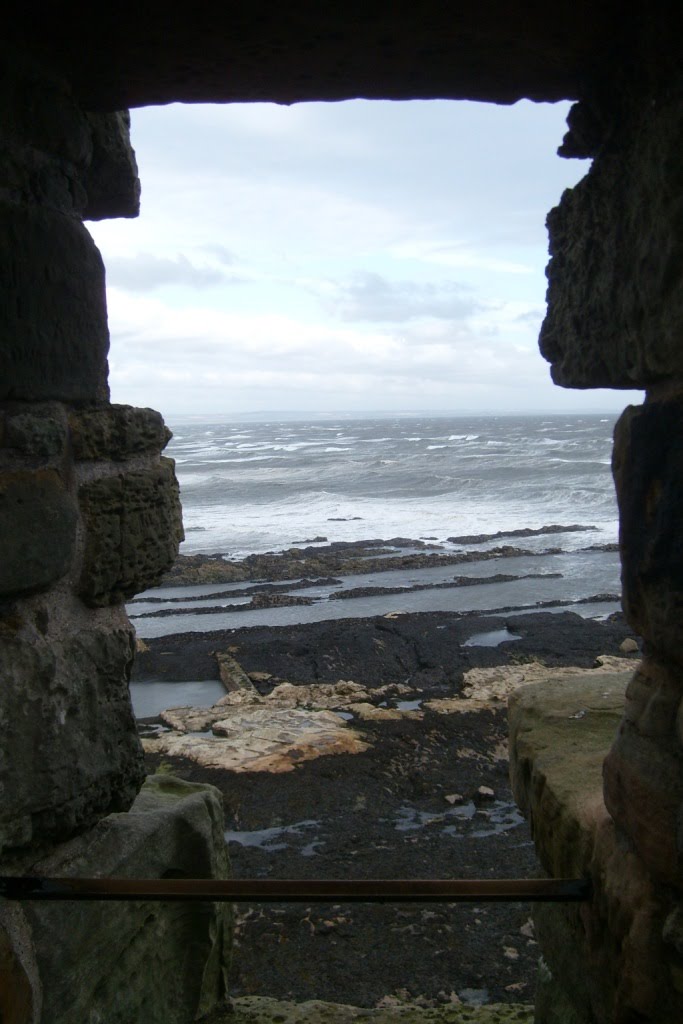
(350, 257)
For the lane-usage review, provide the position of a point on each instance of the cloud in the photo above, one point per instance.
(458, 255)
(241, 355)
(145, 272)
(371, 297)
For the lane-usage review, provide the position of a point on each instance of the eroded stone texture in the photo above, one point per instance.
(57, 163)
(20, 990)
(264, 1010)
(37, 530)
(37, 432)
(643, 777)
(613, 958)
(161, 963)
(45, 138)
(133, 528)
(53, 329)
(648, 473)
(69, 752)
(111, 181)
(117, 432)
(260, 738)
(615, 291)
(312, 51)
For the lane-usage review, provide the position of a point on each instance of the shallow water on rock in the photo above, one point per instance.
(491, 639)
(278, 838)
(150, 699)
(581, 575)
(497, 818)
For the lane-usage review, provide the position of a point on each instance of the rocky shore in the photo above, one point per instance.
(368, 747)
(344, 558)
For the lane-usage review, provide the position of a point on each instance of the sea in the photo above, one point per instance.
(258, 486)
(265, 486)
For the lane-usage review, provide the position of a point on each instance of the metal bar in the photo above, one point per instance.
(262, 890)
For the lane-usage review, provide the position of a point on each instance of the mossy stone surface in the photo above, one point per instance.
(263, 1010)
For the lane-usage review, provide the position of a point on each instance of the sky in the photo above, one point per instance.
(356, 257)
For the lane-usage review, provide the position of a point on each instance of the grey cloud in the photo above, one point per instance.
(532, 316)
(145, 272)
(223, 255)
(371, 297)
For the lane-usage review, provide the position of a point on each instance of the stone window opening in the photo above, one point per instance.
(91, 511)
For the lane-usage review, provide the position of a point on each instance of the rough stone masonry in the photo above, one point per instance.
(88, 505)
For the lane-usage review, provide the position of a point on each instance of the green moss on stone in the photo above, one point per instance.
(264, 1010)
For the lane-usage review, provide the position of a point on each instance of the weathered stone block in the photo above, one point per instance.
(69, 752)
(133, 529)
(161, 963)
(38, 111)
(37, 530)
(643, 772)
(38, 432)
(53, 327)
(648, 474)
(615, 291)
(117, 432)
(560, 731)
(611, 958)
(111, 181)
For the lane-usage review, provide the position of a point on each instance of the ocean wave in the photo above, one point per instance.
(251, 489)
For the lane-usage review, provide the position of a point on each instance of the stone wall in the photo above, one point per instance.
(615, 319)
(85, 524)
(89, 509)
(89, 515)
(618, 957)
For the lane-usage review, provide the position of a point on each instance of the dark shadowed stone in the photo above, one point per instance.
(69, 751)
(38, 111)
(615, 291)
(161, 963)
(116, 432)
(237, 52)
(648, 474)
(53, 330)
(133, 529)
(38, 432)
(604, 959)
(37, 530)
(111, 181)
(643, 776)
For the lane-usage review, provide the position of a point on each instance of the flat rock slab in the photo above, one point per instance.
(134, 960)
(263, 740)
(560, 732)
(484, 687)
(262, 1010)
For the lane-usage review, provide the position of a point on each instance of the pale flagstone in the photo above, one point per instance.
(486, 687)
(261, 739)
(251, 732)
(277, 731)
(371, 713)
(341, 696)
